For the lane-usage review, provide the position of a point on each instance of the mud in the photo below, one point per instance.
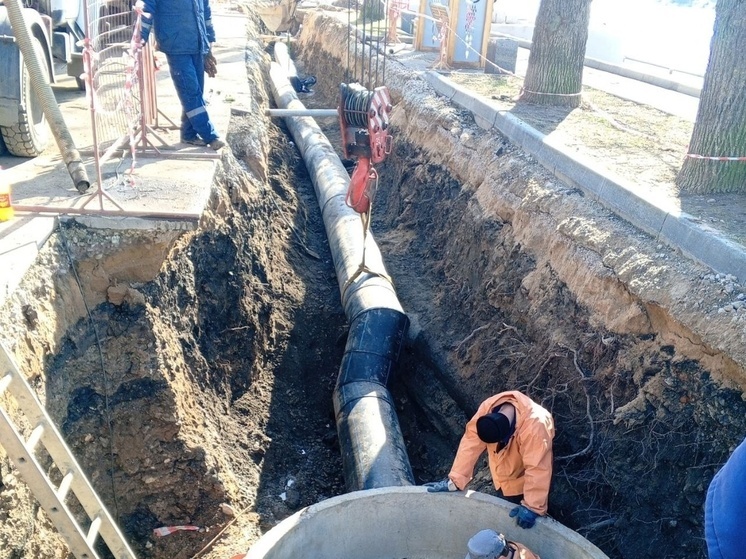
(192, 371)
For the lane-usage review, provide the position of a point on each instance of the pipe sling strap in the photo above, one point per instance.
(363, 268)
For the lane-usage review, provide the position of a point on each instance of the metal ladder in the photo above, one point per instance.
(22, 453)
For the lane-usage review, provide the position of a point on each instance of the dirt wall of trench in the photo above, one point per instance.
(139, 345)
(513, 280)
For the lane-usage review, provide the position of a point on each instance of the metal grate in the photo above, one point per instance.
(111, 77)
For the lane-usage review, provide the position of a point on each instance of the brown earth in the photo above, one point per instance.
(188, 371)
(196, 369)
(637, 142)
(642, 145)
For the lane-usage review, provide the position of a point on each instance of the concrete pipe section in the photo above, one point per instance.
(409, 522)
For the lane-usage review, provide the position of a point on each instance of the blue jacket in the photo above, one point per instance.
(725, 509)
(180, 26)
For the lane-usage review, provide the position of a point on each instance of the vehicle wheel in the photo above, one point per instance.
(80, 83)
(29, 137)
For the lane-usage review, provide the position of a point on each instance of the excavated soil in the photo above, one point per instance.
(192, 373)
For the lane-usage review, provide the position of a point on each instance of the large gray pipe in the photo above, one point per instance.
(373, 450)
(43, 91)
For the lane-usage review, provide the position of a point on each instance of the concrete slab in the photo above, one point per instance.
(168, 190)
(20, 242)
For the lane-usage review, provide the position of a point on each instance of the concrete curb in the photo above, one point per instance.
(20, 248)
(643, 77)
(658, 218)
(618, 70)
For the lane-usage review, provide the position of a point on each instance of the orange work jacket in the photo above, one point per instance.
(524, 466)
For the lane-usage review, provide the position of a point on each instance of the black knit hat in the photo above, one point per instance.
(494, 428)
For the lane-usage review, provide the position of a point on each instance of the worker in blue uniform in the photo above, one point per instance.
(725, 509)
(184, 31)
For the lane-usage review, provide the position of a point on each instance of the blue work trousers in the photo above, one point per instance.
(188, 75)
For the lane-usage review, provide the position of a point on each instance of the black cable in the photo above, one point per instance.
(369, 42)
(383, 70)
(349, 34)
(103, 368)
(374, 81)
(356, 101)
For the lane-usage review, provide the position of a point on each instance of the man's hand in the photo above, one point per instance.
(525, 518)
(441, 486)
(211, 64)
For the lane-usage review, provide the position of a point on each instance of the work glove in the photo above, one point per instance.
(441, 486)
(525, 518)
(211, 65)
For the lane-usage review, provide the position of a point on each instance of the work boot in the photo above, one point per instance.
(194, 142)
(217, 144)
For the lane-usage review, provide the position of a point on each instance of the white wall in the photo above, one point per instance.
(654, 31)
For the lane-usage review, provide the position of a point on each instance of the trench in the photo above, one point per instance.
(208, 378)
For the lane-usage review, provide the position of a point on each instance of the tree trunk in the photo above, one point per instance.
(555, 65)
(720, 128)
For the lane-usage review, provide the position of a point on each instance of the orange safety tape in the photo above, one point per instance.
(167, 530)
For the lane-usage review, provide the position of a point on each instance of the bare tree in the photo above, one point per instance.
(555, 65)
(716, 161)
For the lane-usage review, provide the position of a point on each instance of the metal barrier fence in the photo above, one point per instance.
(112, 70)
(120, 82)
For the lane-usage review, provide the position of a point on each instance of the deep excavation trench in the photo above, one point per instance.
(203, 373)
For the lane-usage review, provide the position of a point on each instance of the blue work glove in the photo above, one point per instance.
(441, 486)
(525, 517)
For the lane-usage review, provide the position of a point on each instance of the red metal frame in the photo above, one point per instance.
(370, 144)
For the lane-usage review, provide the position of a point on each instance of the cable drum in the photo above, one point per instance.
(356, 105)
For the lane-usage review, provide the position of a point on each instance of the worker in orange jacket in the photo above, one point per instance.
(517, 434)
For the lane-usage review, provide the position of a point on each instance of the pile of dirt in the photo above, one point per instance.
(209, 385)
